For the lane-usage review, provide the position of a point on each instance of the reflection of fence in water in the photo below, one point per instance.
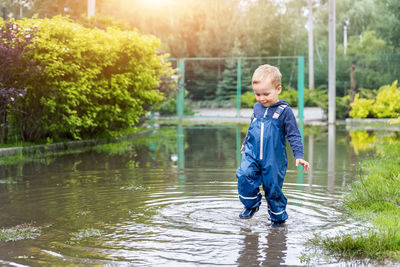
(180, 145)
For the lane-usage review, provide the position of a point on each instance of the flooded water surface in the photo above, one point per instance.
(170, 199)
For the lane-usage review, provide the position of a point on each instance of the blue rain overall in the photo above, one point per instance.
(264, 161)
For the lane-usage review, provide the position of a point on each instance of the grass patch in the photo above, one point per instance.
(373, 244)
(376, 198)
(85, 233)
(19, 232)
(17, 144)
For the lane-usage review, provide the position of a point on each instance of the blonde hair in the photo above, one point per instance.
(265, 72)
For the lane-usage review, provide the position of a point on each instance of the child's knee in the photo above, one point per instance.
(246, 173)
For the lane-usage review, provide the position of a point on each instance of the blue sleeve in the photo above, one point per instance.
(292, 133)
(245, 139)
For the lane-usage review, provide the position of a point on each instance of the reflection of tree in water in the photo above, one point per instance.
(75, 180)
(256, 253)
(363, 140)
(212, 147)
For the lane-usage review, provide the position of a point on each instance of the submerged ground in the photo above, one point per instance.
(169, 198)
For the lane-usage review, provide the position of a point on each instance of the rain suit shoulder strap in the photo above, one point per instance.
(253, 118)
(278, 111)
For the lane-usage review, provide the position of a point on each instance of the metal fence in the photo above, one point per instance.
(220, 83)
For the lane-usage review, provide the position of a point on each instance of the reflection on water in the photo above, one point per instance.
(263, 249)
(170, 198)
(310, 157)
(331, 157)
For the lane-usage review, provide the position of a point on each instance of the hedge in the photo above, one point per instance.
(385, 105)
(93, 81)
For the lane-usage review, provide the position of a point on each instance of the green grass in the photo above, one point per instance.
(19, 232)
(85, 233)
(376, 198)
(372, 244)
(16, 144)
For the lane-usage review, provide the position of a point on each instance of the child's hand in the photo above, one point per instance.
(305, 164)
(241, 149)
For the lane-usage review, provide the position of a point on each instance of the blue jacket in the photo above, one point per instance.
(288, 123)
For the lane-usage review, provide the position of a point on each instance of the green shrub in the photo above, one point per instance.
(317, 98)
(168, 106)
(290, 95)
(387, 103)
(248, 100)
(342, 107)
(361, 107)
(94, 81)
(367, 93)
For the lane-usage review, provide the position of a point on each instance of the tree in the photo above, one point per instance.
(387, 21)
(369, 55)
(51, 8)
(16, 69)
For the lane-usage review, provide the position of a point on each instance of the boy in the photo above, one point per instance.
(264, 158)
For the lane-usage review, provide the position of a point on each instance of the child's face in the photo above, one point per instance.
(266, 93)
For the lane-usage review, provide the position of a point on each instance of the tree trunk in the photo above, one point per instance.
(352, 83)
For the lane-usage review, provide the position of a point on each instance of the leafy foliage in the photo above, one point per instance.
(16, 69)
(367, 53)
(229, 28)
(386, 104)
(228, 85)
(361, 107)
(168, 106)
(248, 100)
(94, 81)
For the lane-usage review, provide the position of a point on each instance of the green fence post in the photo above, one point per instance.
(151, 114)
(238, 87)
(300, 88)
(181, 89)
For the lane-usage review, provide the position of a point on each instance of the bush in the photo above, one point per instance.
(361, 107)
(168, 106)
(16, 69)
(342, 107)
(387, 103)
(290, 95)
(317, 98)
(248, 100)
(94, 81)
